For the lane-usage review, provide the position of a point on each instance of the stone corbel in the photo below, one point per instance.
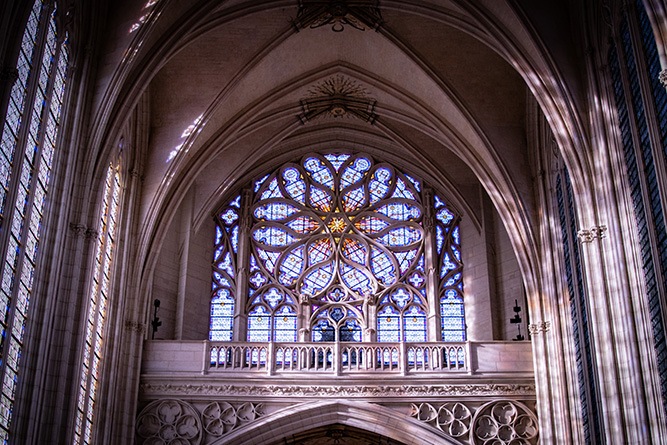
(595, 232)
(541, 326)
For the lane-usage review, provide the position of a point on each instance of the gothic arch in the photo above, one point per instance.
(363, 415)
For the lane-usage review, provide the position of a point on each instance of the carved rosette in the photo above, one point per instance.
(453, 418)
(169, 422)
(219, 418)
(504, 422)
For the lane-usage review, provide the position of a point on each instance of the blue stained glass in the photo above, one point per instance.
(269, 258)
(378, 186)
(388, 329)
(337, 314)
(319, 172)
(355, 172)
(272, 236)
(456, 253)
(444, 216)
(235, 239)
(354, 250)
(236, 202)
(295, 185)
(405, 259)
(337, 160)
(455, 236)
(275, 211)
(285, 324)
(227, 264)
(382, 267)
(323, 331)
(400, 296)
(292, 266)
(417, 280)
(272, 190)
(356, 279)
(400, 211)
(350, 331)
(320, 199)
(316, 280)
(371, 224)
(273, 297)
(415, 324)
(447, 265)
(354, 199)
(336, 295)
(303, 224)
(259, 182)
(402, 191)
(414, 182)
(218, 235)
(319, 251)
(439, 238)
(401, 236)
(258, 280)
(259, 323)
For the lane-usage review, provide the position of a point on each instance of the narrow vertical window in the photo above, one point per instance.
(28, 147)
(224, 272)
(97, 307)
(448, 245)
(641, 106)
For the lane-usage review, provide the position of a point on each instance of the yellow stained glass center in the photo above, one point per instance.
(336, 225)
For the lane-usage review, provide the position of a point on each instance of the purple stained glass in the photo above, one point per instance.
(400, 211)
(272, 236)
(401, 236)
(382, 267)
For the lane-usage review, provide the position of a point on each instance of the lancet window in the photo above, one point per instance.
(338, 247)
(28, 146)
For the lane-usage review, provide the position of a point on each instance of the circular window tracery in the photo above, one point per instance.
(338, 233)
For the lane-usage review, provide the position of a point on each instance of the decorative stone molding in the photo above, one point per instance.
(270, 390)
(169, 421)
(595, 232)
(541, 326)
(92, 234)
(338, 97)
(663, 77)
(359, 14)
(135, 326)
(504, 422)
(219, 418)
(453, 418)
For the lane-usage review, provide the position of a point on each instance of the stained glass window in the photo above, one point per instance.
(450, 267)
(224, 272)
(328, 236)
(27, 148)
(97, 308)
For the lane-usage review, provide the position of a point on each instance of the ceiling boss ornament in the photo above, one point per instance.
(360, 15)
(338, 97)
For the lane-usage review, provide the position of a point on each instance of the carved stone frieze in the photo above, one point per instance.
(169, 421)
(219, 418)
(588, 235)
(504, 422)
(453, 418)
(77, 229)
(338, 97)
(270, 390)
(358, 14)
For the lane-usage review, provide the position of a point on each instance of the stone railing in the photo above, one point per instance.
(340, 359)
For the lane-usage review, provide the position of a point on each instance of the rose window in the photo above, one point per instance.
(325, 240)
